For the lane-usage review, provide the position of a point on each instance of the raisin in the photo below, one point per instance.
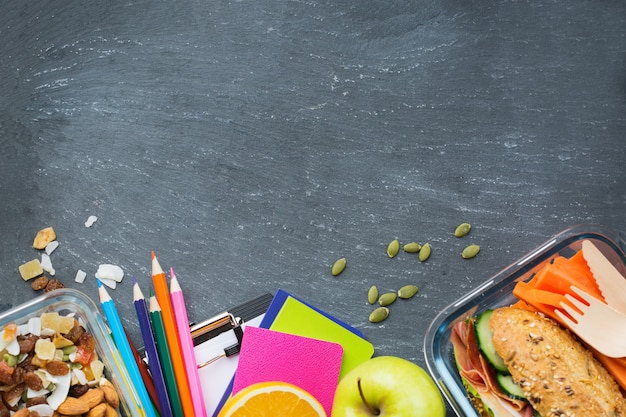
(33, 381)
(36, 401)
(78, 390)
(15, 392)
(87, 342)
(40, 283)
(18, 375)
(57, 368)
(75, 333)
(53, 284)
(27, 343)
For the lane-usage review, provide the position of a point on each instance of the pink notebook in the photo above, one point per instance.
(311, 364)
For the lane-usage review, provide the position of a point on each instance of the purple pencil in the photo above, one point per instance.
(154, 363)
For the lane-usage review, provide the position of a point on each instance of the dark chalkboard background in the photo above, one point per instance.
(250, 144)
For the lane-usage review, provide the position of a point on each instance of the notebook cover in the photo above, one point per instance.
(299, 319)
(277, 304)
(311, 364)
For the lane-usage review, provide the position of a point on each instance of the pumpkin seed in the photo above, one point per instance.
(378, 315)
(425, 252)
(412, 247)
(338, 266)
(393, 248)
(372, 294)
(387, 298)
(407, 291)
(470, 251)
(462, 229)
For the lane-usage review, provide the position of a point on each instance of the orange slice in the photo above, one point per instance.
(272, 399)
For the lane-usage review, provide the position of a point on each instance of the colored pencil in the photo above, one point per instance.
(163, 297)
(143, 370)
(163, 400)
(186, 344)
(119, 337)
(165, 357)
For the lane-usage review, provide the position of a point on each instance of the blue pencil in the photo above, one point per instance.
(154, 363)
(119, 337)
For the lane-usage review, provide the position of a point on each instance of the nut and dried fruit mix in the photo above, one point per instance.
(49, 367)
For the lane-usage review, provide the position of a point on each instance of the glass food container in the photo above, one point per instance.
(497, 292)
(69, 301)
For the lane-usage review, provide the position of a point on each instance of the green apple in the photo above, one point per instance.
(388, 386)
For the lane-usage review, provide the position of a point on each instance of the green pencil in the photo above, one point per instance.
(164, 356)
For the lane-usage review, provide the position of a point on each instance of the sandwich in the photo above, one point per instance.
(515, 362)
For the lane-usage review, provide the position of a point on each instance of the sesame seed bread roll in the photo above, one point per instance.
(558, 375)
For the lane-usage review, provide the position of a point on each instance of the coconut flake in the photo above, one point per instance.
(46, 264)
(34, 326)
(50, 247)
(108, 282)
(108, 271)
(13, 348)
(90, 221)
(60, 392)
(80, 276)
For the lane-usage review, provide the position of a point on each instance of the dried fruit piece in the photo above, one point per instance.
(372, 294)
(30, 269)
(378, 315)
(45, 349)
(338, 266)
(470, 251)
(412, 247)
(39, 283)
(57, 368)
(425, 252)
(462, 229)
(43, 237)
(393, 248)
(387, 299)
(407, 291)
(53, 284)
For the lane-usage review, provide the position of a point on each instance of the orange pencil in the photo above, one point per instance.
(163, 297)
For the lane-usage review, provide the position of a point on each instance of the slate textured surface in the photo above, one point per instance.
(251, 144)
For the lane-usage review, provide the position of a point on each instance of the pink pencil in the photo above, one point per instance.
(186, 344)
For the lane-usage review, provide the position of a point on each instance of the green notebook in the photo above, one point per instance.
(297, 318)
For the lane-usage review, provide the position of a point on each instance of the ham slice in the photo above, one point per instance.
(477, 373)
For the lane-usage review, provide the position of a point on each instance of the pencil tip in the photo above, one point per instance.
(172, 275)
(99, 282)
(134, 280)
(153, 255)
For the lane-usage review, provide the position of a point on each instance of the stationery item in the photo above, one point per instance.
(186, 344)
(310, 364)
(277, 303)
(298, 318)
(315, 323)
(119, 337)
(217, 343)
(173, 342)
(144, 372)
(162, 398)
(165, 357)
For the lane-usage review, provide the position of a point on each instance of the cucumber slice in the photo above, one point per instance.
(510, 387)
(484, 337)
